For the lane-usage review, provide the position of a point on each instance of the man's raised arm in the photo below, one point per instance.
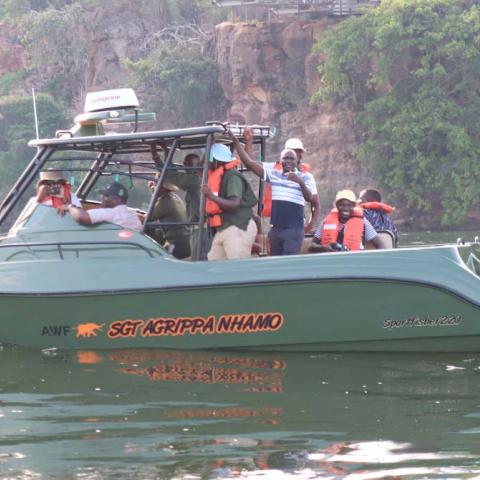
(252, 165)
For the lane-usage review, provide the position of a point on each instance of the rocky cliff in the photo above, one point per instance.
(267, 73)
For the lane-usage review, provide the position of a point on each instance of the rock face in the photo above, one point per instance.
(268, 74)
(12, 56)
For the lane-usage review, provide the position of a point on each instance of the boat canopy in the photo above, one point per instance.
(91, 161)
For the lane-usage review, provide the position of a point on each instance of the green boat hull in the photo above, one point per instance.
(89, 294)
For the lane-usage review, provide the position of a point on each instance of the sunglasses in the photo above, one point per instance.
(288, 157)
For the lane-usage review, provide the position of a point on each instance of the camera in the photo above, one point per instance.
(55, 190)
(338, 247)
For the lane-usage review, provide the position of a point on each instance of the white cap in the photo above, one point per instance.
(294, 144)
(221, 153)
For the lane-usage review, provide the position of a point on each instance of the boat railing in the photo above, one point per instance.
(60, 247)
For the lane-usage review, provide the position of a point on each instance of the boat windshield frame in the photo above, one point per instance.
(113, 149)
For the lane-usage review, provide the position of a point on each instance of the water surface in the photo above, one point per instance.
(177, 415)
(127, 415)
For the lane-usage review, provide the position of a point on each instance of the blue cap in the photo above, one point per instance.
(221, 153)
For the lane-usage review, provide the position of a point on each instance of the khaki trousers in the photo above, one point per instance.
(233, 242)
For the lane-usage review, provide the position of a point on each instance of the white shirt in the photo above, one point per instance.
(288, 190)
(119, 215)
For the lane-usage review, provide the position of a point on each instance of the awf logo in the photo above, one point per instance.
(125, 234)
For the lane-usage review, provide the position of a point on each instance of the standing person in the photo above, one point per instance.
(296, 145)
(229, 202)
(189, 181)
(171, 208)
(377, 213)
(54, 190)
(290, 189)
(114, 210)
(344, 228)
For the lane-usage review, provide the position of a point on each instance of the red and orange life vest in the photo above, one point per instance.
(213, 210)
(59, 201)
(352, 233)
(267, 196)
(378, 206)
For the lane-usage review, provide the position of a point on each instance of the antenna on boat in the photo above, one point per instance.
(35, 113)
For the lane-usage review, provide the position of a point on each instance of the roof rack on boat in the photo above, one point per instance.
(262, 131)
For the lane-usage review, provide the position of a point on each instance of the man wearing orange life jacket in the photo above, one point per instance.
(229, 202)
(54, 190)
(376, 212)
(344, 228)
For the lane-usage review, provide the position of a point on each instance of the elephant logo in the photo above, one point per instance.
(89, 329)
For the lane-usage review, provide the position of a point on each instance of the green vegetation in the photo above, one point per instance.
(56, 32)
(180, 85)
(17, 124)
(410, 69)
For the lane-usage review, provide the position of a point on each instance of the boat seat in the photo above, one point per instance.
(387, 237)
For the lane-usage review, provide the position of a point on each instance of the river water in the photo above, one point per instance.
(197, 415)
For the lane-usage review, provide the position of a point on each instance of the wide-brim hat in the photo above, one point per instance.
(345, 195)
(51, 175)
(169, 186)
(220, 153)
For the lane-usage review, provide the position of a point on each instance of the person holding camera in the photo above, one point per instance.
(345, 228)
(54, 190)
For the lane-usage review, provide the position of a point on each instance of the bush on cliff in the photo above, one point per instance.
(17, 124)
(410, 69)
(181, 86)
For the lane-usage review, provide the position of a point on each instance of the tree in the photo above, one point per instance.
(16, 125)
(180, 85)
(56, 32)
(410, 70)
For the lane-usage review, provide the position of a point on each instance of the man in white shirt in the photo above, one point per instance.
(296, 145)
(114, 210)
(291, 188)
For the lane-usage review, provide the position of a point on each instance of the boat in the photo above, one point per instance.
(68, 286)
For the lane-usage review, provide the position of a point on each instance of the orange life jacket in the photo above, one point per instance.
(212, 209)
(59, 201)
(267, 195)
(352, 233)
(378, 206)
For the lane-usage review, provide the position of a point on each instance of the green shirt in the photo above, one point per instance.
(190, 183)
(234, 185)
(171, 208)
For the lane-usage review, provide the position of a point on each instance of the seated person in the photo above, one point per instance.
(54, 190)
(345, 228)
(171, 208)
(377, 213)
(114, 210)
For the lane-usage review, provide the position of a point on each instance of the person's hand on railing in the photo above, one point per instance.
(62, 209)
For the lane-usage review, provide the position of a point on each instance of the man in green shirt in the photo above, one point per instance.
(171, 208)
(189, 181)
(229, 207)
